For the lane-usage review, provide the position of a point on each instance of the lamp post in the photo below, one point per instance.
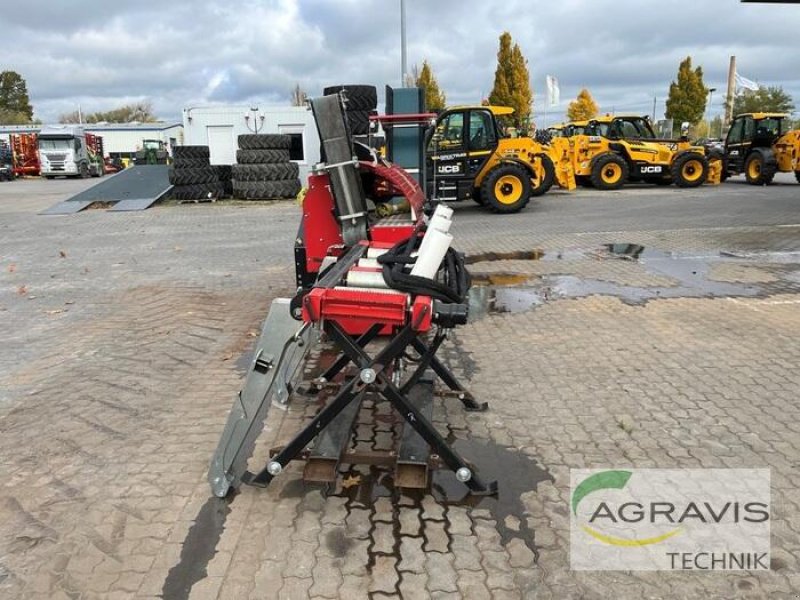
(258, 120)
(708, 111)
(403, 56)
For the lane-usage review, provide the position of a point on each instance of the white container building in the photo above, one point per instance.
(218, 127)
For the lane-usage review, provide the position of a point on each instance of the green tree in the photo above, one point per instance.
(512, 85)
(765, 99)
(10, 117)
(688, 95)
(715, 127)
(141, 112)
(14, 100)
(435, 99)
(583, 107)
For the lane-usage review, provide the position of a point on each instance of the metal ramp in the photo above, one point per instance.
(135, 188)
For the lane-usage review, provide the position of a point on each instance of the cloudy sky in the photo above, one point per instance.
(184, 53)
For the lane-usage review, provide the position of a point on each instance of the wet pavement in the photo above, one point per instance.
(691, 272)
(650, 328)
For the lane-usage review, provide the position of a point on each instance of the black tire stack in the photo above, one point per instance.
(192, 175)
(225, 173)
(362, 100)
(264, 171)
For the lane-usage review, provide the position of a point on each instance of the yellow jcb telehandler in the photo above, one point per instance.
(469, 157)
(614, 150)
(760, 145)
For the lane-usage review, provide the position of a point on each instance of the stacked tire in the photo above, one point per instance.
(264, 171)
(361, 102)
(192, 175)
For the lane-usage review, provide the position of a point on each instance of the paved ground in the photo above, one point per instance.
(123, 338)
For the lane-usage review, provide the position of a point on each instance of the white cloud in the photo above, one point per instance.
(183, 52)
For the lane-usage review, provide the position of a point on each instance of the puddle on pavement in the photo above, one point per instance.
(516, 474)
(519, 292)
(535, 254)
(198, 549)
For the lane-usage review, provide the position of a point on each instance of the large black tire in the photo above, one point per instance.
(760, 167)
(506, 188)
(358, 121)
(689, 170)
(359, 97)
(224, 172)
(609, 172)
(266, 190)
(797, 176)
(274, 172)
(264, 141)
(190, 163)
(193, 176)
(539, 188)
(189, 152)
(261, 157)
(227, 188)
(198, 191)
(476, 196)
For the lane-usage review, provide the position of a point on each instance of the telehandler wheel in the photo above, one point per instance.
(609, 172)
(476, 196)
(797, 176)
(759, 168)
(690, 170)
(507, 188)
(541, 184)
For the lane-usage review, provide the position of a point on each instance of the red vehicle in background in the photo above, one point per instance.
(25, 154)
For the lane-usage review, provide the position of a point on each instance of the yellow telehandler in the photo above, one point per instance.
(468, 157)
(760, 145)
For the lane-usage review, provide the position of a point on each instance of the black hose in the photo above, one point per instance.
(455, 283)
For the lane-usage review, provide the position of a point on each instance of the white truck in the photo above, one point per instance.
(67, 150)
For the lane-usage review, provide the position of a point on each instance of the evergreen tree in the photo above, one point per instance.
(688, 95)
(14, 98)
(435, 99)
(583, 107)
(512, 82)
(765, 99)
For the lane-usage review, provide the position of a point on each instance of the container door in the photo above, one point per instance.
(221, 144)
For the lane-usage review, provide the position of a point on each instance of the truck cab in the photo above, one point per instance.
(63, 151)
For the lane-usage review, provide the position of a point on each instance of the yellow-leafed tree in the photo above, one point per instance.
(512, 85)
(434, 97)
(583, 107)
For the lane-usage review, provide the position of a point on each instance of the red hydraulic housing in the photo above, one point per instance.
(94, 143)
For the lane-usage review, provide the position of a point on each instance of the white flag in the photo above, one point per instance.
(553, 91)
(745, 83)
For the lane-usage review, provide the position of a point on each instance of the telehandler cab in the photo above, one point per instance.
(760, 145)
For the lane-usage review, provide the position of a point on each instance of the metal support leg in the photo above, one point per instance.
(450, 380)
(343, 360)
(410, 413)
(370, 369)
(424, 362)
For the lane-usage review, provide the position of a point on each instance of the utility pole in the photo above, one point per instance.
(654, 107)
(403, 57)
(731, 92)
